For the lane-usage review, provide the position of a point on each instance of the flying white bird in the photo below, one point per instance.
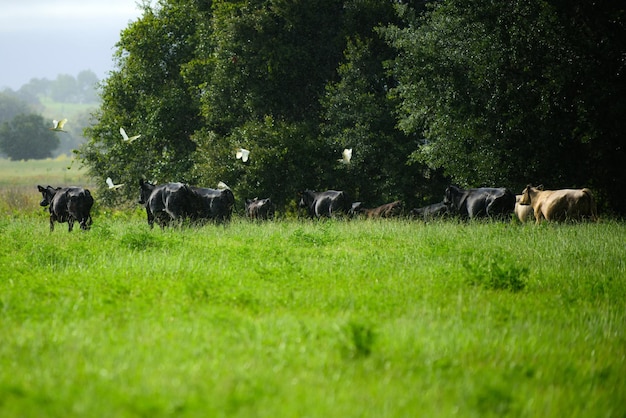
(221, 185)
(243, 154)
(346, 156)
(111, 185)
(58, 125)
(126, 138)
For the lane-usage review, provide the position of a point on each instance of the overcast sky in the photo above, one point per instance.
(45, 38)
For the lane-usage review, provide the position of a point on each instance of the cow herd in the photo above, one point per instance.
(176, 202)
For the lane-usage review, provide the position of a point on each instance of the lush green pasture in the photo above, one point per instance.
(317, 319)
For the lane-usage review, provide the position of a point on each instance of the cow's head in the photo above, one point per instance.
(525, 197)
(306, 198)
(447, 196)
(527, 194)
(47, 193)
(395, 208)
(145, 190)
(355, 208)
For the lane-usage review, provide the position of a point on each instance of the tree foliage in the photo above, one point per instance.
(490, 93)
(515, 92)
(27, 136)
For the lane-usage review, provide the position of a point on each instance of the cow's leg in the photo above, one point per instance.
(150, 218)
(539, 215)
(52, 219)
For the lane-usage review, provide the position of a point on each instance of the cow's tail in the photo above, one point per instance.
(592, 204)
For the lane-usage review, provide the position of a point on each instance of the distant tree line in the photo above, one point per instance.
(425, 93)
(24, 133)
(64, 89)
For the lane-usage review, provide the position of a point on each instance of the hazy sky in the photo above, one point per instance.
(45, 38)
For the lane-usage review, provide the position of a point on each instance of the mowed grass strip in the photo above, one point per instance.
(317, 319)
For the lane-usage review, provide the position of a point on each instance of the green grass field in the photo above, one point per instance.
(317, 319)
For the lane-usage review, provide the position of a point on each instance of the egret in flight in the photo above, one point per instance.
(126, 138)
(58, 125)
(346, 156)
(111, 185)
(243, 154)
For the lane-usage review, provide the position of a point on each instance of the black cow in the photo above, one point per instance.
(167, 202)
(429, 212)
(213, 204)
(261, 209)
(324, 204)
(68, 204)
(479, 203)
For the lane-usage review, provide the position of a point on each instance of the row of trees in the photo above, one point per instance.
(24, 132)
(65, 88)
(473, 92)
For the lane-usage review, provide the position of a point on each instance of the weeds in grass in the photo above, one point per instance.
(357, 339)
(496, 272)
(140, 239)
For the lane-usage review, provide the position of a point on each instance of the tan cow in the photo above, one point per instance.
(560, 205)
(524, 212)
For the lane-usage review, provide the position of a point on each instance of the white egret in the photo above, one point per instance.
(346, 156)
(111, 185)
(126, 138)
(58, 125)
(243, 154)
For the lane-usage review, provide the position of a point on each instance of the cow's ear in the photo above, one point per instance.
(41, 189)
(540, 187)
(140, 182)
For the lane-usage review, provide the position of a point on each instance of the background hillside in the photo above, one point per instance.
(73, 98)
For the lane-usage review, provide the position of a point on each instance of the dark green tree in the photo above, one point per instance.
(506, 93)
(267, 64)
(359, 114)
(27, 136)
(148, 95)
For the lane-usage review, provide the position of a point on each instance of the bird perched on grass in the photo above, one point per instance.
(111, 185)
(126, 138)
(243, 154)
(58, 125)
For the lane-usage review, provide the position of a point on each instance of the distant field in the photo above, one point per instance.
(19, 180)
(56, 110)
(59, 171)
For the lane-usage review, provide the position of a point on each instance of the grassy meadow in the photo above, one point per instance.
(317, 319)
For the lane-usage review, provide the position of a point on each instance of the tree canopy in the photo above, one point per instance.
(27, 136)
(487, 93)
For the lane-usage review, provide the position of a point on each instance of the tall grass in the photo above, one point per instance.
(312, 319)
(19, 180)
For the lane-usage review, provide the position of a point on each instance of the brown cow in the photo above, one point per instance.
(560, 205)
(388, 210)
(524, 212)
